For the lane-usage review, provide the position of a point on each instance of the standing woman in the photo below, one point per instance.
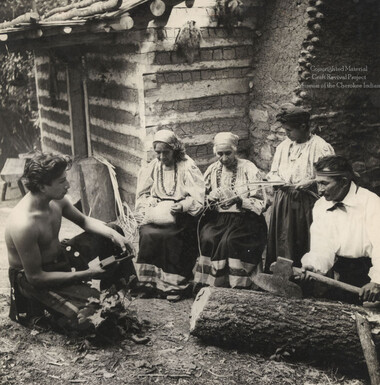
(293, 164)
(170, 194)
(234, 236)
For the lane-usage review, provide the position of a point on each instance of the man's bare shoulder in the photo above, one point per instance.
(62, 203)
(21, 220)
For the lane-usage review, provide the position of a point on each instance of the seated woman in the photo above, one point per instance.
(234, 236)
(170, 194)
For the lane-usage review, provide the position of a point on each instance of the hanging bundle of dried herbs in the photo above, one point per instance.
(188, 41)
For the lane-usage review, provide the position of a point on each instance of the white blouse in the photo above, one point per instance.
(246, 172)
(294, 162)
(189, 190)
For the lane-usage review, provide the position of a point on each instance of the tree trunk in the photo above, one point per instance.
(310, 330)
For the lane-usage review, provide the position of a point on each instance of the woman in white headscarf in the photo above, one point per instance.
(170, 194)
(234, 236)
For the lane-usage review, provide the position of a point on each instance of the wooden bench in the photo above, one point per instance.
(12, 172)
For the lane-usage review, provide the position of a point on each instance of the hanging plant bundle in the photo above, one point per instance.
(229, 12)
(188, 41)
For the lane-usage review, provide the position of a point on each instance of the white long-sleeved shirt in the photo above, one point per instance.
(253, 197)
(352, 233)
(190, 189)
(294, 162)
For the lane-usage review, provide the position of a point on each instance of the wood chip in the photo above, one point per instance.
(216, 375)
(55, 363)
(165, 375)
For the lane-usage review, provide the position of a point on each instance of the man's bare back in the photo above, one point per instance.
(44, 223)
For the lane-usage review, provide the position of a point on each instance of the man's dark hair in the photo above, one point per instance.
(42, 169)
(336, 163)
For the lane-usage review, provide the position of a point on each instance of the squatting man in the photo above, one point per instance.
(44, 273)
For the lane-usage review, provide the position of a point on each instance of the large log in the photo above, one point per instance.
(310, 330)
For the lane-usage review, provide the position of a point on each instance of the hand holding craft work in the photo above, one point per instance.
(160, 214)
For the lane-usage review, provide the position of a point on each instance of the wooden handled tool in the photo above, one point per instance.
(279, 282)
(96, 262)
(327, 280)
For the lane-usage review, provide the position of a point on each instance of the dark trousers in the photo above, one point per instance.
(28, 302)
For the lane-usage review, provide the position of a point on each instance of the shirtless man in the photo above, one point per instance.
(41, 269)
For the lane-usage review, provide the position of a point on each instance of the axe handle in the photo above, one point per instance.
(328, 281)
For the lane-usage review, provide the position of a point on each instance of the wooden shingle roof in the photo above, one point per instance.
(83, 16)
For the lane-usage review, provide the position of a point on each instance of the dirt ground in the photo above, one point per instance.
(30, 356)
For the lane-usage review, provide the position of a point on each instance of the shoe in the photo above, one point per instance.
(40, 323)
(174, 297)
(147, 292)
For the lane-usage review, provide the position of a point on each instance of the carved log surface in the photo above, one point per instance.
(319, 331)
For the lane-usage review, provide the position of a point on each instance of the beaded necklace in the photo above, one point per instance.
(172, 192)
(234, 174)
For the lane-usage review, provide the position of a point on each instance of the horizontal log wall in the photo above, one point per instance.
(137, 83)
(53, 105)
(210, 95)
(116, 124)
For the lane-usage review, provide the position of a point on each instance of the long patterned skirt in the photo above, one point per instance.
(167, 255)
(232, 245)
(289, 228)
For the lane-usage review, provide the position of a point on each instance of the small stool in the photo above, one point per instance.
(12, 172)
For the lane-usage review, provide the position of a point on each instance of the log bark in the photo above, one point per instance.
(310, 330)
(93, 9)
(69, 7)
(28, 17)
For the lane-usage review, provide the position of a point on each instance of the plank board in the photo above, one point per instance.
(13, 170)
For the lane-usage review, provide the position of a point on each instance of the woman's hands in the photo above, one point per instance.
(226, 198)
(176, 208)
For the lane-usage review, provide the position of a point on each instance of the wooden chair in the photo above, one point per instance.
(12, 172)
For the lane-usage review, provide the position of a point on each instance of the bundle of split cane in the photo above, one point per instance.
(125, 217)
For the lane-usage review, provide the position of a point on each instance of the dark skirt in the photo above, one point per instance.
(289, 228)
(231, 245)
(167, 254)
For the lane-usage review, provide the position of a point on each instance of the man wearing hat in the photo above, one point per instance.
(293, 166)
(345, 231)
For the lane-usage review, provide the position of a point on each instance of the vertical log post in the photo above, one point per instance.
(369, 350)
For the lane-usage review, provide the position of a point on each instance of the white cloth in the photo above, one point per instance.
(190, 186)
(351, 233)
(252, 196)
(226, 139)
(294, 162)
